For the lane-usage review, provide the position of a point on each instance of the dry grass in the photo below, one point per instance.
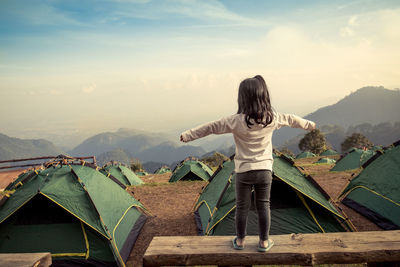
(171, 206)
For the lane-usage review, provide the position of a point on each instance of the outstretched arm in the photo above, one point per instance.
(215, 127)
(294, 122)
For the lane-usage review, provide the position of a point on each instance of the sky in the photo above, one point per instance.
(79, 67)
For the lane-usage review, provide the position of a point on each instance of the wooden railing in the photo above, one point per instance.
(37, 159)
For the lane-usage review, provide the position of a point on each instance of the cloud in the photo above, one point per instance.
(316, 68)
(353, 21)
(89, 88)
(348, 30)
(201, 9)
(304, 62)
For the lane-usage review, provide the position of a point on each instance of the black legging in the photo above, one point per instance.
(261, 181)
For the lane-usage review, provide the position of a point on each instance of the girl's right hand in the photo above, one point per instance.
(313, 126)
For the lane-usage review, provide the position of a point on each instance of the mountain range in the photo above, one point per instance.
(371, 105)
(362, 110)
(14, 148)
(137, 144)
(131, 140)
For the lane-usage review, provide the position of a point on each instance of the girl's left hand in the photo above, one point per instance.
(313, 126)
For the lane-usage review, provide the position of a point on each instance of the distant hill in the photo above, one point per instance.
(371, 105)
(142, 145)
(119, 155)
(14, 148)
(215, 142)
(132, 141)
(384, 133)
(170, 152)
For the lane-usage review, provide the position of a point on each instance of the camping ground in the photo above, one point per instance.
(170, 204)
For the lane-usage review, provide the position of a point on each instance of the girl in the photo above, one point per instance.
(252, 127)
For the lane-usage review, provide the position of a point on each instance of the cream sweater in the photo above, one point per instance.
(253, 145)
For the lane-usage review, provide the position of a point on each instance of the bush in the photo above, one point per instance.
(136, 165)
(314, 142)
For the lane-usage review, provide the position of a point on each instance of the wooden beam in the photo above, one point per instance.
(300, 249)
(25, 259)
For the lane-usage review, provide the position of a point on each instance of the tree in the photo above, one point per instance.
(356, 140)
(215, 159)
(136, 165)
(313, 141)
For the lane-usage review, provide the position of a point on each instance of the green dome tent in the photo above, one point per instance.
(142, 173)
(191, 170)
(125, 175)
(325, 161)
(376, 148)
(375, 192)
(329, 152)
(353, 160)
(73, 211)
(298, 205)
(163, 169)
(305, 154)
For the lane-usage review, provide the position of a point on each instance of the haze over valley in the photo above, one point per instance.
(351, 114)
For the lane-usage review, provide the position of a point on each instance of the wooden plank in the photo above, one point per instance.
(25, 259)
(301, 249)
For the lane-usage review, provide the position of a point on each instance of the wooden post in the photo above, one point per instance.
(383, 264)
(25, 259)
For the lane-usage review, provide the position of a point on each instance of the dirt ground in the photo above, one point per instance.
(7, 177)
(170, 204)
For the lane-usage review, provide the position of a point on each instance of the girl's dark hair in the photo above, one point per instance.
(254, 101)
